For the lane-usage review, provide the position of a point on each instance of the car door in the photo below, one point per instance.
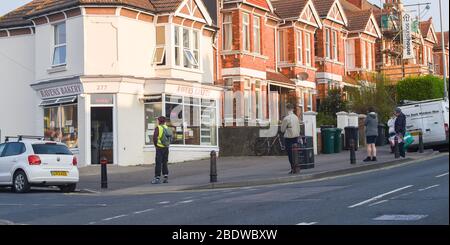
(9, 158)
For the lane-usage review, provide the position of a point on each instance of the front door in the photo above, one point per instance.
(102, 140)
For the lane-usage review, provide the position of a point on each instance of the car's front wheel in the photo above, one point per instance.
(20, 182)
(68, 188)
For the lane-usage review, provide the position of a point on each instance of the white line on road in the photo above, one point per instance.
(187, 201)
(379, 196)
(164, 202)
(305, 223)
(92, 223)
(441, 175)
(115, 217)
(380, 202)
(429, 187)
(143, 211)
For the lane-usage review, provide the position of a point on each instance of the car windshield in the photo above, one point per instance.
(51, 149)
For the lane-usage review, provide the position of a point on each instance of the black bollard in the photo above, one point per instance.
(396, 148)
(420, 142)
(104, 174)
(352, 152)
(213, 169)
(295, 165)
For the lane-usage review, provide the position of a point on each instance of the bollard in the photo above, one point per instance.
(296, 166)
(104, 174)
(352, 152)
(420, 142)
(213, 169)
(396, 147)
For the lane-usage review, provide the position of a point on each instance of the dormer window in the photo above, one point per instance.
(59, 41)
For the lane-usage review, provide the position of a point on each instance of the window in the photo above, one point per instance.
(189, 60)
(363, 55)
(327, 43)
(13, 149)
(228, 82)
(257, 34)
(159, 57)
(61, 124)
(196, 49)
(192, 120)
(301, 101)
(2, 147)
(369, 56)
(59, 41)
(51, 149)
(308, 48)
(350, 57)
(247, 100)
(258, 99)
(310, 101)
(177, 46)
(281, 46)
(299, 47)
(245, 32)
(227, 31)
(335, 48)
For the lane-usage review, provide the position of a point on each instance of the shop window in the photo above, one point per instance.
(159, 57)
(59, 42)
(61, 124)
(153, 110)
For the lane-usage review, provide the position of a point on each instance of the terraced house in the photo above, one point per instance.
(94, 74)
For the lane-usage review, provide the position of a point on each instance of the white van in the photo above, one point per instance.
(431, 117)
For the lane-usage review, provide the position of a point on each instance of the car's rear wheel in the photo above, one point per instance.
(68, 188)
(20, 182)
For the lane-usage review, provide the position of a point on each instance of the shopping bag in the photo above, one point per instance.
(408, 139)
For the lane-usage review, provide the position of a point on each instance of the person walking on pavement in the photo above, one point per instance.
(400, 130)
(290, 127)
(391, 125)
(161, 139)
(371, 124)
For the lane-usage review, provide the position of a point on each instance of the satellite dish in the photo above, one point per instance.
(302, 76)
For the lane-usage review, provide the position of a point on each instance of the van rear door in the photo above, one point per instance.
(413, 120)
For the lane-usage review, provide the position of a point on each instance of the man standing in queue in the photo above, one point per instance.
(161, 139)
(291, 129)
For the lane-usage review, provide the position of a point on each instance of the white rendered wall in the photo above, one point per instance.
(17, 98)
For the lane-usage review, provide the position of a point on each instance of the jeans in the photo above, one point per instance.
(401, 149)
(289, 142)
(162, 157)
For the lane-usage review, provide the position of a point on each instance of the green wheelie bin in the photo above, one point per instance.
(328, 140)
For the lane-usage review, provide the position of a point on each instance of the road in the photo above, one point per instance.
(416, 193)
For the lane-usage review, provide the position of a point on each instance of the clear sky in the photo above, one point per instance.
(8, 5)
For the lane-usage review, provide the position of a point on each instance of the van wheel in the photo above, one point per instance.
(68, 188)
(20, 182)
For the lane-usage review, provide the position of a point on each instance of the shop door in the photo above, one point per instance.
(102, 140)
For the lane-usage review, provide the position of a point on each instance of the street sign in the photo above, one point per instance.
(407, 37)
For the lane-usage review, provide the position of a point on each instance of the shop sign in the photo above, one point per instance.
(61, 91)
(193, 91)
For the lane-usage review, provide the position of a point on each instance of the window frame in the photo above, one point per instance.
(163, 59)
(335, 46)
(299, 47)
(59, 45)
(327, 44)
(308, 49)
(246, 32)
(227, 32)
(256, 34)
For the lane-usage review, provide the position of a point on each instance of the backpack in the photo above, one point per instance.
(166, 138)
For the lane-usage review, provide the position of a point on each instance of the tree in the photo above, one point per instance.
(331, 105)
(420, 88)
(380, 96)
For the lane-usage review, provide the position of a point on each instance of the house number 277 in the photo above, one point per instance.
(102, 87)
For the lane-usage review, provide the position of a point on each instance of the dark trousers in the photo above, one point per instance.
(289, 142)
(161, 159)
(401, 149)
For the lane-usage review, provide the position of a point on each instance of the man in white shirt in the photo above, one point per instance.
(291, 129)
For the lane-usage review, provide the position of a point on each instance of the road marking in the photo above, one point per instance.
(143, 211)
(429, 187)
(115, 217)
(379, 196)
(441, 175)
(187, 201)
(305, 223)
(11, 204)
(91, 223)
(380, 202)
(164, 202)
(400, 217)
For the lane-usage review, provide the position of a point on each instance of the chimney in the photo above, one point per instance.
(357, 3)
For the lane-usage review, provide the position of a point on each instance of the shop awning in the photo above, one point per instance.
(55, 101)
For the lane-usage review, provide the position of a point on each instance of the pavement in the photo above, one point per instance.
(234, 172)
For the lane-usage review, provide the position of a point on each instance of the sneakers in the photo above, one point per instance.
(368, 159)
(156, 181)
(166, 179)
(374, 159)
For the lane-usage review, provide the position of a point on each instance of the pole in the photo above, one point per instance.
(295, 165)
(352, 152)
(396, 148)
(420, 141)
(213, 167)
(444, 61)
(104, 175)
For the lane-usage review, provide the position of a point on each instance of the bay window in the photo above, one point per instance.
(59, 42)
(246, 32)
(227, 31)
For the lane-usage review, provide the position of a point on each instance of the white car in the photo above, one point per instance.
(35, 162)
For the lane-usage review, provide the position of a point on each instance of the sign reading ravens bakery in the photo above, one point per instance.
(61, 91)
(408, 51)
